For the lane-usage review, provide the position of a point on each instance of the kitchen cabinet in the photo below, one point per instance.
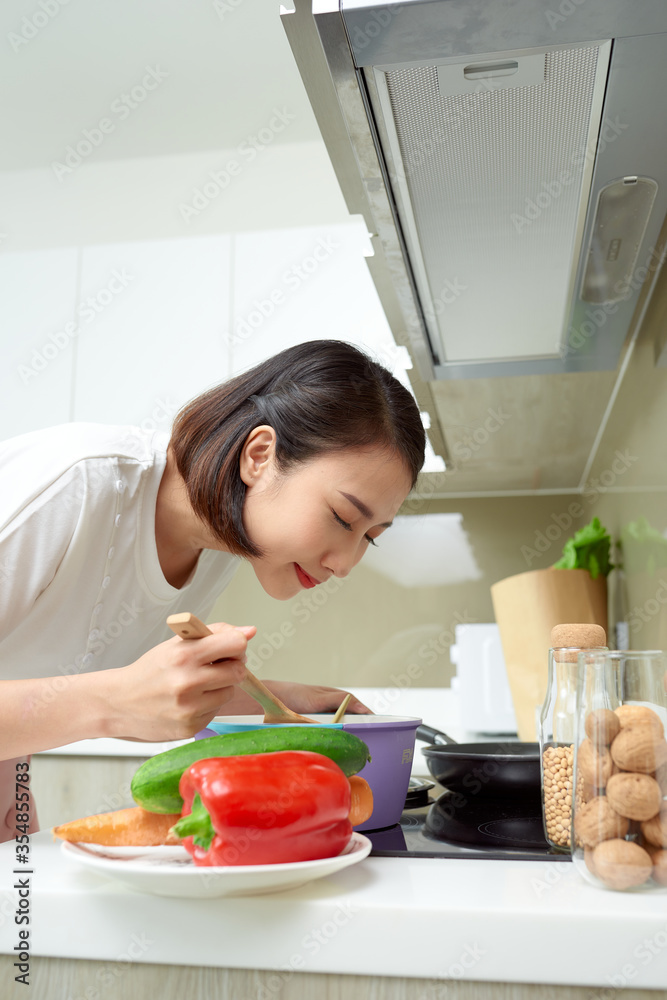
(73, 977)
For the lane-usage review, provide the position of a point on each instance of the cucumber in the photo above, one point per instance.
(155, 784)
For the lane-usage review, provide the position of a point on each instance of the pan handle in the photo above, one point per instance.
(428, 735)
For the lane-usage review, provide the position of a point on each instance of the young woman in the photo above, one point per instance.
(297, 466)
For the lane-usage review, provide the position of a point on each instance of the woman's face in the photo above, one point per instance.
(317, 520)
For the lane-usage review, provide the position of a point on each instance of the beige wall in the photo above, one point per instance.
(638, 429)
(639, 426)
(645, 586)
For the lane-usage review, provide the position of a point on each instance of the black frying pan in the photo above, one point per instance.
(485, 768)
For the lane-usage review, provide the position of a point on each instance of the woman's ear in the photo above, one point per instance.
(257, 454)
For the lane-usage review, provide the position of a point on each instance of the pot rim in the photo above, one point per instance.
(322, 719)
(461, 750)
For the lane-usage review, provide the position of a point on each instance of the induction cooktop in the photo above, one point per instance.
(449, 826)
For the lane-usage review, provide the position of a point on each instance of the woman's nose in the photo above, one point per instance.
(341, 561)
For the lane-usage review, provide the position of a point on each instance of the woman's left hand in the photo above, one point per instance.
(306, 698)
(303, 698)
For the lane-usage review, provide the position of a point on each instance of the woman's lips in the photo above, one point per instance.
(304, 579)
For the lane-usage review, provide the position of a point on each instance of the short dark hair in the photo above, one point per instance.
(320, 396)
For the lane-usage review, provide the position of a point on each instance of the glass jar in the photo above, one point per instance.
(556, 727)
(619, 808)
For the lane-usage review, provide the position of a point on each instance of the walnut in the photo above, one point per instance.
(588, 860)
(601, 726)
(594, 766)
(655, 829)
(597, 821)
(636, 796)
(661, 777)
(659, 859)
(634, 715)
(587, 791)
(638, 748)
(620, 864)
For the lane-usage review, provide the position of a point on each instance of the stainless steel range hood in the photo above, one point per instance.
(509, 159)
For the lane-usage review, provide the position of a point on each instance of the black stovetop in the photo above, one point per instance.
(451, 827)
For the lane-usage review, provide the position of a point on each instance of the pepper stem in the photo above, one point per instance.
(196, 824)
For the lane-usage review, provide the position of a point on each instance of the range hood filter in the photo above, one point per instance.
(492, 172)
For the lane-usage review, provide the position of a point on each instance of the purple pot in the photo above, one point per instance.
(390, 740)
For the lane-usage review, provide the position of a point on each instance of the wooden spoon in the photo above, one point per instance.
(190, 627)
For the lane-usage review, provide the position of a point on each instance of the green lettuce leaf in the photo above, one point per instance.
(644, 548)
(589, 549)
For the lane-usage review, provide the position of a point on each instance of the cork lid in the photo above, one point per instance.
(577, 636)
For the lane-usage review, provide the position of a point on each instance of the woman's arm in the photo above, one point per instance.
(169, 693)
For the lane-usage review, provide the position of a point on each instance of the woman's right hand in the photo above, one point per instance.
(176, 688)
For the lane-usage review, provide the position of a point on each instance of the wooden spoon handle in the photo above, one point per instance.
(188, 626)
(340, 711)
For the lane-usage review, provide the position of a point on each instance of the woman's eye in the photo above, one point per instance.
(348, 527)
(344, 524)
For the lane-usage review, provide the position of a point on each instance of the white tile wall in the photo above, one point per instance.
(37, 301)
(301, 284)
(159, 321)
(154, 328)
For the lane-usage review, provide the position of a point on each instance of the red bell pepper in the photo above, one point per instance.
(264, 808)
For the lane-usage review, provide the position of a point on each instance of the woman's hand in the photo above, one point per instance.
(306, 698)
(303, 698)
(174, 689)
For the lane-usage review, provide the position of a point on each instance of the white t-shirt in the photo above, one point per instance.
(81, 586)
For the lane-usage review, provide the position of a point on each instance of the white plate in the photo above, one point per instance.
(170, 871)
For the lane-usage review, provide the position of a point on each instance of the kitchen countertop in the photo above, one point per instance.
(415, 918)
(519, 922)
